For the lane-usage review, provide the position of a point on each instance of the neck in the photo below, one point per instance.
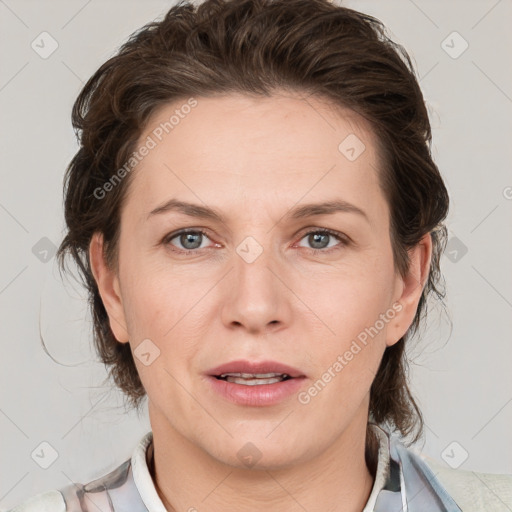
(187, 478)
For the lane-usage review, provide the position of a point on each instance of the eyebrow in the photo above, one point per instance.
(300, 212)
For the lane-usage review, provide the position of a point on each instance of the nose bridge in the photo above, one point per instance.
(257, 297)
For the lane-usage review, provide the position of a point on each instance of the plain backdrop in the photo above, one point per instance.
(57, 403)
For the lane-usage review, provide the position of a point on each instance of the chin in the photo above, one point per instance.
(257, 453)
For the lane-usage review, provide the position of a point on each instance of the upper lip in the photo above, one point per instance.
(243, 366)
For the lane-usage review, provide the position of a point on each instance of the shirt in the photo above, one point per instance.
(404, 482)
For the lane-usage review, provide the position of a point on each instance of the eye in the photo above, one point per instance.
(190, 240)
(319, 240)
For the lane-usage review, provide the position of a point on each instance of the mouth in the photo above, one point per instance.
(256, 384)
(250, 372)
(250, 379)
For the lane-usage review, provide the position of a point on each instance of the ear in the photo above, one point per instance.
(109, 289)
(409, 289)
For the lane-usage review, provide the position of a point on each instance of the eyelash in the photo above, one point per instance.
(324, 231)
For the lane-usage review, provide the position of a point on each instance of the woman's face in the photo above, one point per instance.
(265, 283)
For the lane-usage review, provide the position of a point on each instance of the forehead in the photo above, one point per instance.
(256, 155)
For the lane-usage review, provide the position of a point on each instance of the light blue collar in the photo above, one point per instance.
(410, 485)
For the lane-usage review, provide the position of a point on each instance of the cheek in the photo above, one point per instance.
(174, 311)
(347, 361)
(352, 299)
(355, 309)
(163, 307)
(156, 297)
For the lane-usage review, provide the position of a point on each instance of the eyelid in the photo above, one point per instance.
(167, 238)
(343, 239)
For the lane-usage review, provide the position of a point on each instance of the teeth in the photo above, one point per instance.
(254, 375)
(253, 382)
(254, 379)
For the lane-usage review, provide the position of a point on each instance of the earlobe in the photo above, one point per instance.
(410, 288)
(108, 287)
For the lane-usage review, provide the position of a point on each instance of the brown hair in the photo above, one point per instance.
(257, 47)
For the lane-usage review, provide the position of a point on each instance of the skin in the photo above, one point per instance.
(254, 160)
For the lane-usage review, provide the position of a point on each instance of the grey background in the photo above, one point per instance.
(461, 374)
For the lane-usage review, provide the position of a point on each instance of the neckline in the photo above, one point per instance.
(144, 469)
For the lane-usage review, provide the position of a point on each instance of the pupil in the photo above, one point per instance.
(316, 237)
(189, 237)
(193, 240)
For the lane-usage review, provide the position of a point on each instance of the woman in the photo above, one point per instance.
(259, 223)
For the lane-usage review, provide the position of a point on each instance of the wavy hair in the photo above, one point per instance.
(258, 47)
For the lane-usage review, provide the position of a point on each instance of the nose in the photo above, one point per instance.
(256, 297)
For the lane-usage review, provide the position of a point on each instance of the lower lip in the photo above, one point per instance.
(259, 395)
